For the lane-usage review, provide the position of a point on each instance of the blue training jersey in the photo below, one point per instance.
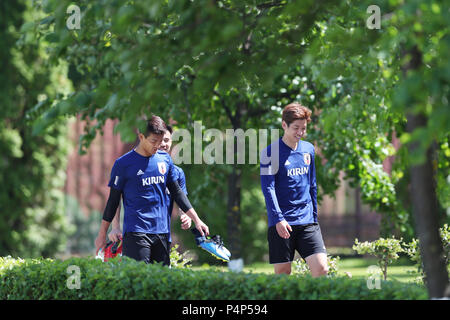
(289, 183)
(143, 182)
(181, 178)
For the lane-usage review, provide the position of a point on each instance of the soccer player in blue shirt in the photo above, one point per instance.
(140, 177)
(288, 182)
(173, 209)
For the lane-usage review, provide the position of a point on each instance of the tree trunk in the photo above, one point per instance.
(358, 213)
(234, 212)
(425, 205)
(425, 212)
(234, 191)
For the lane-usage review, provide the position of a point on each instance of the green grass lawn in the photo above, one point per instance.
(360, 268)
(402, 270)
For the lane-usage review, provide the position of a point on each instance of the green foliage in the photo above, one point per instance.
(179, 260)
(365, 73)
(445, 236)
(173, 58)
(300, 267)
(128, 279)
(413, 250)
(253, 218)
(85, 226)
(442, 167)
(385, 250)
(32, 168)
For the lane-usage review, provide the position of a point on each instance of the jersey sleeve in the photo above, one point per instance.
(182, 180)
(117, 179)
(313, 185)
(268, 190)
(172, 172)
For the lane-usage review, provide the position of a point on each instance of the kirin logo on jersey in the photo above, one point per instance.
(297, 171)
(307, 158)
(162, 167)
(152, 180)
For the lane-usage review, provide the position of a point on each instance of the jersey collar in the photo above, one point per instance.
(285, 146)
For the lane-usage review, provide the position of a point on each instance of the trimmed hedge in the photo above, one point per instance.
(129, 279)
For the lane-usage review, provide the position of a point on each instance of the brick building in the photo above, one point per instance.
(88, 175)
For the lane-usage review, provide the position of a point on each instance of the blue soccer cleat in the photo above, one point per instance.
(214, 245)
(217, 239)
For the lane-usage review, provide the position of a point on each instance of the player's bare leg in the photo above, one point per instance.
(282, 268)
(318, 264)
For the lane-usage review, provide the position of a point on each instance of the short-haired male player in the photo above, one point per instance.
(173, 209)
(141, 177)
(288, 182)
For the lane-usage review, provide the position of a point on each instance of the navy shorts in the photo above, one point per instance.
(147, 247)
(306, 239)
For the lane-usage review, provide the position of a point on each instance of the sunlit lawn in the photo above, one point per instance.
(401, 270)
(360, 268)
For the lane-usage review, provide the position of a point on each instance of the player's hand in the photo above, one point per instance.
(115, 235)
(283, 229)
(186, 222)
(202, 227)
(100, 243)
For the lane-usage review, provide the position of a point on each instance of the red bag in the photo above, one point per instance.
(112, 249)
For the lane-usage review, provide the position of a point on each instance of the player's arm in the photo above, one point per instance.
(176, 211)
(268, 190)
(116, 233)
(313, 185)
(273, 208)
(181, 199)
(116, 221)
(110, 210)
(186, 221)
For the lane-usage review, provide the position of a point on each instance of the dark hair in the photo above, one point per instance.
(169, 128)
(155, 125)
(295, 111)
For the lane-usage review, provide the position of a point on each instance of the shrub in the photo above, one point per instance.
(179, 260)
(300, 267)
(385, 250)
(413, 250)
(129, 279)
(445, 236)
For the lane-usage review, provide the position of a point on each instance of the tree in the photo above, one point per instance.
(405, 70)
(32, 167)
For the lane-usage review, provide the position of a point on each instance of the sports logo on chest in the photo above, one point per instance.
(152, 180)
(297, 171)
(162, 167)
(307, 158)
